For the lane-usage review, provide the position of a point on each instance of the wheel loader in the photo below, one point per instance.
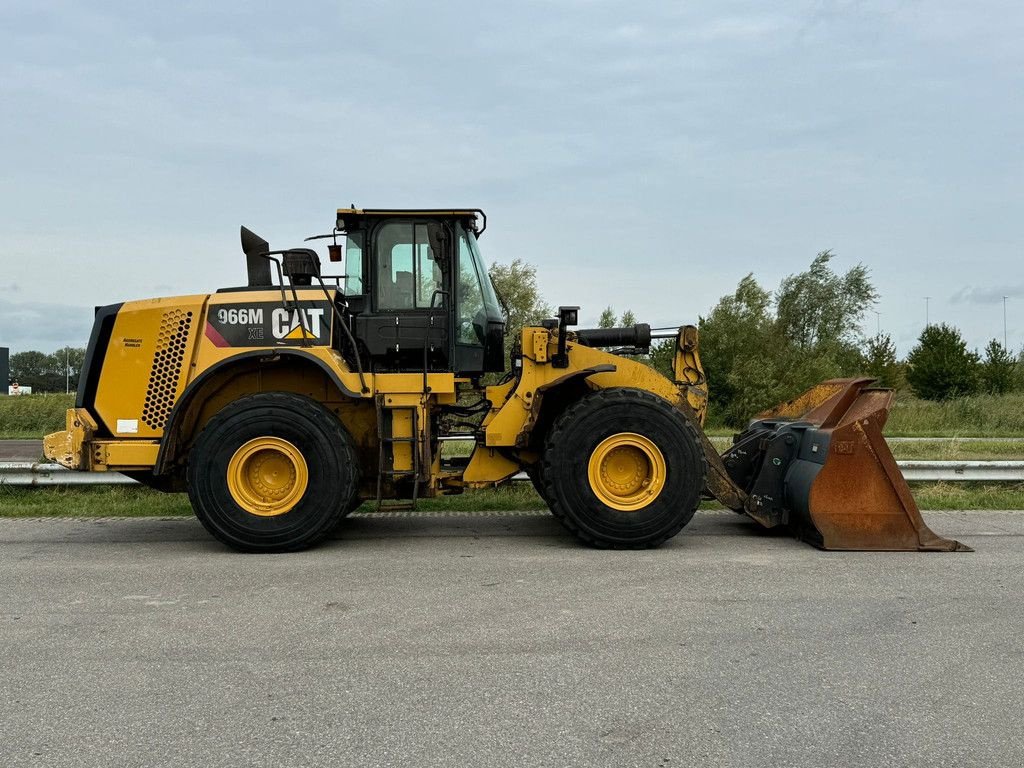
(281, 405)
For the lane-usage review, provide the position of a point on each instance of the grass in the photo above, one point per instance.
(127, 501)
(953, 449)
(99, 501)
(974, 416)
(130, 501)
(981, 415)
(31, 416)
(968, 495)
(940, 449)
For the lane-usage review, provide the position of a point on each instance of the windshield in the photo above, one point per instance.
(476, 299)
(490, 298)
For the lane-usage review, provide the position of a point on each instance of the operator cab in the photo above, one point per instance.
(418, 291)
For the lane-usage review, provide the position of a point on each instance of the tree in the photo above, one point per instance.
(738, 330)
(30, 369)
(820, 308)
(760, 348)
(609, 319)
(941, 366)
(516, 284)
(48, 373)
(997, 371)
(880, 361)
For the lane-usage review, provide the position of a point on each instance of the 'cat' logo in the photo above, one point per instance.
(289, 324)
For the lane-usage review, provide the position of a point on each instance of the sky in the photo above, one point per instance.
(643, 155)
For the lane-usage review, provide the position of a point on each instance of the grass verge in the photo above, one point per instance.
(29, 417)
(940, 449)
(127, 501)
(984, 415)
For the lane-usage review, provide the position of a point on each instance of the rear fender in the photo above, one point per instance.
(183, 419)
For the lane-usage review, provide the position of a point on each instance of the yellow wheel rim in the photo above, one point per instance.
(267, 476)
(626, 471)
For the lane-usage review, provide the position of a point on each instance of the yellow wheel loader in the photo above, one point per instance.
(282, 404)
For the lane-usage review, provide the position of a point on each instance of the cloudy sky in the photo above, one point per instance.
(644, 155)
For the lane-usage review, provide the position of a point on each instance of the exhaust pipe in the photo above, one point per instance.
(257, 267)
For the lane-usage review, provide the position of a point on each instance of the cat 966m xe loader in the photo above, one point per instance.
(282, 404)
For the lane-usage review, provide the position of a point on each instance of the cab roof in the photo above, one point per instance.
(446, 213)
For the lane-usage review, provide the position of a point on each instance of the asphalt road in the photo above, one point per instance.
(454, 641)
(21, 450)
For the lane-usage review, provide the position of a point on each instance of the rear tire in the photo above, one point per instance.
(272, 472)
(623, 469)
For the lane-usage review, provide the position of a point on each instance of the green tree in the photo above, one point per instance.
(997, 369)
(941, 366)
(628, 319)
(737, 341)
(48, 373)
(760, 348)
(30, 369)
(819, 308)
(516, 284)
(662, 356)
(607, 319)
(880, 361)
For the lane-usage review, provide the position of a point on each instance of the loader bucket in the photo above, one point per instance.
(840, 485)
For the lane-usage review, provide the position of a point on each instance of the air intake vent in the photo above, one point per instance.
(167, 362)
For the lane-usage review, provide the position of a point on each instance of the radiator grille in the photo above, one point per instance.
(166, 372)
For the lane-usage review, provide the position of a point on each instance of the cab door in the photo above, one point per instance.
(407, 327)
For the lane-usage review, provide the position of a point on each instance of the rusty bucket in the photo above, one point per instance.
(840, 485)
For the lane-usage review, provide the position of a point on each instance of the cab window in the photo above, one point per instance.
(470, 297)
(354, 264)
(409, 273)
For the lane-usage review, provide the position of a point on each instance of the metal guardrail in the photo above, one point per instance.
(27, 473)
(24, 473)
(963, 471)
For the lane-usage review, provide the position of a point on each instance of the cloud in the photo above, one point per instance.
(971, 294)
(43, 326)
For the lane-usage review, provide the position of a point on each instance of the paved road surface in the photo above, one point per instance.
(21, 450)
(454, 641)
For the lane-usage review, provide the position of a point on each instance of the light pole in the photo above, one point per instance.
(1004, 324)
(67, 370)
(927, 299)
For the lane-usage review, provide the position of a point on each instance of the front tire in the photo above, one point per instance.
(272, 472)
(623, 469)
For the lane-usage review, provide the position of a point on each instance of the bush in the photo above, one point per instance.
(941, 366)
(880, 361)
(998, 369)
